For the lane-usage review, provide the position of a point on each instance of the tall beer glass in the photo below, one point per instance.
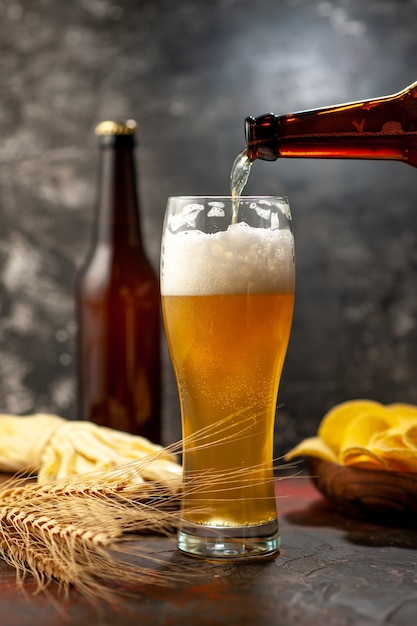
(227, 283)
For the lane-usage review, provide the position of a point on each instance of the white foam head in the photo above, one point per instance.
(239, 260)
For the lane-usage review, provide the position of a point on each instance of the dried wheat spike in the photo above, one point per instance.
(76, 535)
(78, 530)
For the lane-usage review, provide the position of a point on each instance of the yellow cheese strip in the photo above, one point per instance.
(58, 448)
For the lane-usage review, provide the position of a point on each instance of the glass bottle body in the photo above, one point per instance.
(382, 128)
(118, 308)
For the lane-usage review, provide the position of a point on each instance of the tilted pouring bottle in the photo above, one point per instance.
(382, 128)
(118, 301)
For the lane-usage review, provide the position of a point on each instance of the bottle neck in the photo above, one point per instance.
(383, 128)
(118, 219)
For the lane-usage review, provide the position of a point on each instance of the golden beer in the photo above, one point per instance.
(228, 352)
(227, 288)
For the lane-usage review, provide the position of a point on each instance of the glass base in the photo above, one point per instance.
(230, 542)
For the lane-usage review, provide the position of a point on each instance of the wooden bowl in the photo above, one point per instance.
(388, 498)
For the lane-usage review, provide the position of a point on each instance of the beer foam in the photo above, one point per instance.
(239, 260)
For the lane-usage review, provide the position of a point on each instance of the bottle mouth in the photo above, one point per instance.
(261, 140)
(116, 127)
(116, 132)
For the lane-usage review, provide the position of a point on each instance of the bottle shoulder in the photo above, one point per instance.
(107, 271)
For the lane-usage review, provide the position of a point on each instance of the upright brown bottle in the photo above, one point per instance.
(383, 128)
(118, 302)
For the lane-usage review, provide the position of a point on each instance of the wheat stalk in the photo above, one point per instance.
(77, 531)
(76, 535)
(72, 530)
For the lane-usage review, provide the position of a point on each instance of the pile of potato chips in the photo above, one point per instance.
(366, 434)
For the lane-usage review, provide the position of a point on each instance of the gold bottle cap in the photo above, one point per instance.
(120, 127)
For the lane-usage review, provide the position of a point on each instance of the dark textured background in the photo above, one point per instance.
(190, 71)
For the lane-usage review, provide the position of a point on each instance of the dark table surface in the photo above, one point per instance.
(332, 571)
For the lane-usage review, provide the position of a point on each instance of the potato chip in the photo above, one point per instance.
(407, 410)
(361, 457)
(396, 449)
(410, 436)
(363, 427)
(406, 414)
(337, 420)
(390, 439)
(400, 460)
(312, 446)
(365, 434)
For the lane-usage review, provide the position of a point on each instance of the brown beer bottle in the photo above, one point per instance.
(383, 128)
(118, 301)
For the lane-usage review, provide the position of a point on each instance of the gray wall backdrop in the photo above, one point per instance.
(190, 71)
